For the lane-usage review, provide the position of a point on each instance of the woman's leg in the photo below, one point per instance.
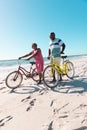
(40, 77)
(40, 67)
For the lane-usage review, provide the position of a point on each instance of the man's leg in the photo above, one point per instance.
(58, 60)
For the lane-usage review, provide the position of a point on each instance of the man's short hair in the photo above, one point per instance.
(52, 33)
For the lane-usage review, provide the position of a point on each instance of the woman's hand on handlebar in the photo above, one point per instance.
(19, 58)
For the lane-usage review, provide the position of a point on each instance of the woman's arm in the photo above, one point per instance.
(35, 52)
(25, 55)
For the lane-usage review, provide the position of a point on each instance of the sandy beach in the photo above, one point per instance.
(36, 107)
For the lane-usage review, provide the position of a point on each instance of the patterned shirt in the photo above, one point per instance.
(55, 47)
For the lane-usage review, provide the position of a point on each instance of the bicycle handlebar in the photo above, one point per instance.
(63, 57)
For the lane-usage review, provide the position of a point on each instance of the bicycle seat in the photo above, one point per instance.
(32, 63)
(63, 57)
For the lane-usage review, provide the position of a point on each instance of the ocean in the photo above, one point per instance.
(13, 62)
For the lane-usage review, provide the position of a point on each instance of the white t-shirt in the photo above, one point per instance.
(55, 47)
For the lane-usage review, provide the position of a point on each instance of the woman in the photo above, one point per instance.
(37, 55)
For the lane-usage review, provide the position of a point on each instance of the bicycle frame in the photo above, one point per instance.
(15, 78)
(22, 70)
(59, 69)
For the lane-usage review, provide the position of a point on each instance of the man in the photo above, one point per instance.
(56, 48)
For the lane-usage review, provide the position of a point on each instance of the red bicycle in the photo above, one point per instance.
(15, 78)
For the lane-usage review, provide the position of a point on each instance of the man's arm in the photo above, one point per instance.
(63, 48)
(49, 53)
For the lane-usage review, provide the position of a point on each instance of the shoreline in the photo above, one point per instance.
(14, 62)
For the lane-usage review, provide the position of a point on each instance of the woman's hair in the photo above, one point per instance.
(34, 44)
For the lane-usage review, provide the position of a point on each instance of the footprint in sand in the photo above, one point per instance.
(5, 120)
(31, 104)
(1, 82)
(84, 121)
(26, 99)
(50, 125)
(80, 107)
(56, 111)
(2, 88)
(43, 91)
(65, 116)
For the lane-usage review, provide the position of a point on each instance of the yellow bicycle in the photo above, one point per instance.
(55, 70)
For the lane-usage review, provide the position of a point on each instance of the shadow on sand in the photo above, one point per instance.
(72, 86)
(25, 90)
(78, 85)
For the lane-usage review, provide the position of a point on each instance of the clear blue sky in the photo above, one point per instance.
(23, 22)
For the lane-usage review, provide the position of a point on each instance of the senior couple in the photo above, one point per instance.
(56, 48)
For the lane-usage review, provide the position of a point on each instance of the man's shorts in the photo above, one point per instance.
(57, 60)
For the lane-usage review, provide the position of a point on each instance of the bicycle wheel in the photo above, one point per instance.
(35, 75)
(48, 75)
(14, 79)
(70, 69)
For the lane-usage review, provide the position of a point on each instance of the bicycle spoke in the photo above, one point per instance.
(35, 75)
(70, 70)
(50, 76)
(14, 79)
